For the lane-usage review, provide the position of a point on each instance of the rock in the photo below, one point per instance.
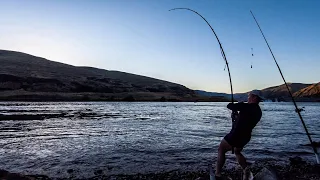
(266, 174)
(200, 178)
(70, 171)
(5, 175)
(98, 172)
(296, 161)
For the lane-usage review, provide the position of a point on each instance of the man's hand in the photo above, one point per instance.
(234, 116)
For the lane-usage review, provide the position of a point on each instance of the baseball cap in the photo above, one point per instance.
(257, 93)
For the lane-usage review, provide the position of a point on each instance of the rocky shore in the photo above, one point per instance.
(295, 168)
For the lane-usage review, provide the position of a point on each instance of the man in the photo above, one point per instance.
(240, 134)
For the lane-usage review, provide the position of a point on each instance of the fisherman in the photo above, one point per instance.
(240, 134)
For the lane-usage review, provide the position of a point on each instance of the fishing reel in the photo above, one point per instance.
(298, 110)
(234, 116)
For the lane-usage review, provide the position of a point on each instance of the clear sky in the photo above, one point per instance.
(143, 37)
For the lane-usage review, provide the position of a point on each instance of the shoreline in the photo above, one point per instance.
(295, 168)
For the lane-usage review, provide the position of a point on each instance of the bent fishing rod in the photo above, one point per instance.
(294, 102)
(234, 113)
(221, 49)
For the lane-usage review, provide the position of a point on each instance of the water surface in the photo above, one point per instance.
(126, 138)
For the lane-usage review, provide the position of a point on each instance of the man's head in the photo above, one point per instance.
(254, 97)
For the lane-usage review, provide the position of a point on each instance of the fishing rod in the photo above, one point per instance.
(294, 102)
(234, 113)
(221, 49)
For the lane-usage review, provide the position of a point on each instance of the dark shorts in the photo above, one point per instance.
(236, 140)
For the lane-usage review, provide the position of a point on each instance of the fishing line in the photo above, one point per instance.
(297, 110)
(252, 56)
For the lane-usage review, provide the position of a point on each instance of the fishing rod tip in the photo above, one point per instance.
(174, 9)
(178, 8)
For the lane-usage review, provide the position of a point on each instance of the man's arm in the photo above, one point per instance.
(237, 106)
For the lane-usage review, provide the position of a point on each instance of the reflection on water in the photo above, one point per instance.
(119, 137)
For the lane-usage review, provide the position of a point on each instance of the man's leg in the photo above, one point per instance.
(240, 158)
(223, 148)
(247, 174)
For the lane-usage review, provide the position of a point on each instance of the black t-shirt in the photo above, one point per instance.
(249, 116)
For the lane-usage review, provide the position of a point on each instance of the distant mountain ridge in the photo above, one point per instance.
(300, 91)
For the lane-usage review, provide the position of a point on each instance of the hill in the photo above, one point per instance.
(27, 77)
(300, 91)
(282, 91)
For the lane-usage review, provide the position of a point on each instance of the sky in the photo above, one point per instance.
(143, 37)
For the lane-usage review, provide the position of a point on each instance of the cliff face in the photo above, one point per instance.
(309, 91)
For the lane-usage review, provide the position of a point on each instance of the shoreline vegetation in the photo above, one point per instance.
(27, 96)
(295, 168)
(22, 95)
